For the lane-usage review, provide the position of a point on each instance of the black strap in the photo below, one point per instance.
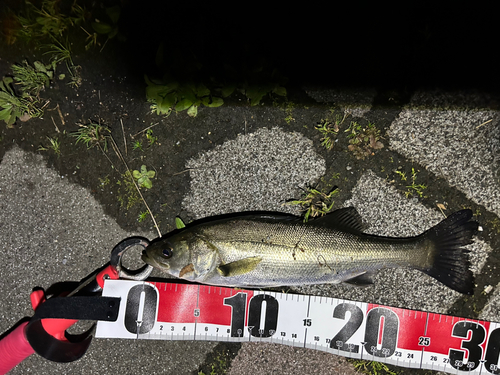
(75, 307)
(80, 308)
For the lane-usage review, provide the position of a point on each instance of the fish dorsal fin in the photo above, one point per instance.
(344, 219)
(273, 217)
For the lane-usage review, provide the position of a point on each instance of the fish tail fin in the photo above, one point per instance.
(451, 264)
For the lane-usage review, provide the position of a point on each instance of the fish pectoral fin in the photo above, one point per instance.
(365, 279)
(239, 267)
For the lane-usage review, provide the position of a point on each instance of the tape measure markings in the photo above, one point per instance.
(402, 337)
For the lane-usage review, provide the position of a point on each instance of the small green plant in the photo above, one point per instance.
(150, 137)
(104, 181)
(76, 78)
(363, 141)
(144, 177)
(414, 188)
(166, 97)
(13, 106)
(372, 367)
(55, 145)
(93, 134)
(142, 216)
(260, 79)
(289, 112)
(255, 93)
(110, 29)
(315, 203)
(402, 175)
(218, 366)
(58, 52)
(137, 145)
(33, 79)
(495, 225)
(329, 130)
(127, 193)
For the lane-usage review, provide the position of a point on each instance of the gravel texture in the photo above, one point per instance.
(262, 359)
(460, 146)
(257, 171)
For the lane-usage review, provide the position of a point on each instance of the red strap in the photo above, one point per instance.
(14, 348)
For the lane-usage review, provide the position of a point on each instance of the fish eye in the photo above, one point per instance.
(167, 252)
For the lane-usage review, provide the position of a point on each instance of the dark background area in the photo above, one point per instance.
(405, 46)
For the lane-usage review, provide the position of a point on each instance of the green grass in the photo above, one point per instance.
(55, 145)
(329, 129)
(414, 188)
(315, 203)
(58, 52)
(137, 146)
(93, 134)
(186, 84)
(371, 367)
(33, 79)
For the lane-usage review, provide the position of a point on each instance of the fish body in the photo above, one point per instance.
(266, 250)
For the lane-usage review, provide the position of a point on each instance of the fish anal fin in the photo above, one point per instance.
(345, 219)
(365, 279)
(239, 267)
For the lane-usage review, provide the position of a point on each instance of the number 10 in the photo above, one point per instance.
(255, 313)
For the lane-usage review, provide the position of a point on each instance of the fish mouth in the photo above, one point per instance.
(153, 262)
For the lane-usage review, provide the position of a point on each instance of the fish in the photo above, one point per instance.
(267, 249)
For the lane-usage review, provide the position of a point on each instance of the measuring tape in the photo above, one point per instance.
(406, 338)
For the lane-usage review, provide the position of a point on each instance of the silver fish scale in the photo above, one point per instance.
(298, 253)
